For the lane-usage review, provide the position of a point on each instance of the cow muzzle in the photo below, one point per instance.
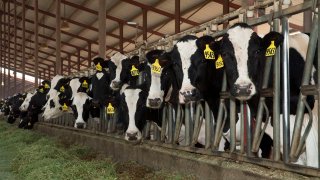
(154, 103)
(243, 91)
(80, 125)
(115, 85)
(188, 96)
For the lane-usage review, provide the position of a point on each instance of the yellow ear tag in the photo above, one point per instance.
(46, 86)
(208, 53)
(110, 109)
(65, 107)
(219, 62)
(271, 50)
(85, 84)
(134, 71)
(156, 67)
(62, 89)
(41, 90)
(98, 67)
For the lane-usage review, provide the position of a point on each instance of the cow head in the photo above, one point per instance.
(115, 67)
(24, 106)
(85, 84)
(99, 64)
(133, 105)
(159, 63)
(244, 55)
(181, 55)
(81, 109)
(46, 84)
(206, 70)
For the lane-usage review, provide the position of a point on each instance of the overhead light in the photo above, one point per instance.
(132, 23)
(65, 26)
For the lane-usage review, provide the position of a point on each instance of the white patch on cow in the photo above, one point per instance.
(24, 106)
(50, 113)
(123, 88)
(240, 37)
(155, 91)
(54, 82)
(74, 84)
(186, 50)
(117, 60)
(99, 75)
(79, 99)
(131, 98)
(168, 96)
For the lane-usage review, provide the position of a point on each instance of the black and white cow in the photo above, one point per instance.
(244, 56)
(14, 103)
(36, 103)
(115, 67)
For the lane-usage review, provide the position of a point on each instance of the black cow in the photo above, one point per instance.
(14, 103)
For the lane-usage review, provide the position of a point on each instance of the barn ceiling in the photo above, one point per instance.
(82, 16)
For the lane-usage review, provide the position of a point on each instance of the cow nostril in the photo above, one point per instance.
(80, 125)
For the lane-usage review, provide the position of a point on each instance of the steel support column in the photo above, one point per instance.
(121, 37)
(225, 11)
(307, 21)
(23, 43)
(89, 55)
(177, 16)
(15, 47)
(8, 50)
(58, 38)
(69, 64)
(36, 45)
(79, 57)
(102, 28)
(145, 24)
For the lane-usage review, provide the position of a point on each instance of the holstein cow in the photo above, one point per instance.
(38, 100)
(52, 99)
(14, 103)
(244, 55)
(80, 102)
(115, 68)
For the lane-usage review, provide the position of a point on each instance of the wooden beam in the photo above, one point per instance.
(177, 16)
(102, 28)
(145, 24)
(36, 44)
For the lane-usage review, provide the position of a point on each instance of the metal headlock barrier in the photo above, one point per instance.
(190, 117)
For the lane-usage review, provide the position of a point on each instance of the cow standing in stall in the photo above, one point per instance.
(244, 55)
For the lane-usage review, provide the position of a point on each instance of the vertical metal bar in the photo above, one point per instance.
(15, 47)
(232, 125)
(58, 38)
(9, 53)
(62, 59)
(286, 89)
(188, 123)
(276, 100)
(164, 124)
(102, 28)
(307, 21)
(36, 41)
(249, 131)
(121, 37)
(242, 124)
(305, 81)
(69, 64)
(145, 24)
(89, 55)
(170, 123)
(208, 126)
(79, 57)
(177, 16)
(225, 11)
(1, 55)
(23, 44)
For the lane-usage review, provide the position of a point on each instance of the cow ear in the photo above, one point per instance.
(274, 37)
(203, 41)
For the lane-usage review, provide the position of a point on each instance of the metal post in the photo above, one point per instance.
(9, 53)
(36, 41)
(276, 100)
(145, 24)
(177, 16)
(79, 57)
(187, 124)
(15, 47)
(209, 129)
(232, 125)
(102, 28)
(296, 143)
(69, 64)
(1, 55)
(286, 89)
(170, 123)
(226, 7)
(89, 55)
(23, 44)
(121, 37)
(307, 21)
(58, 38)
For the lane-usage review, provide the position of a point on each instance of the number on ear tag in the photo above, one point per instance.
(219, 62)
(271, 50)
(98, 67)
(156, 67)
(62, 89)
(134, 71)
(110, 109)
(65, 107)
(208, 53)
(85, 84)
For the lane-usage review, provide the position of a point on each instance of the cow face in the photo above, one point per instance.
(133, 116)
(24, 106)
(244, 55)
(131, 69)
(99, 63)
(206, 71)
(181, 54)
(81, 109)
(115, 67)
(159, 63)
(85, 84)
(46, 84)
